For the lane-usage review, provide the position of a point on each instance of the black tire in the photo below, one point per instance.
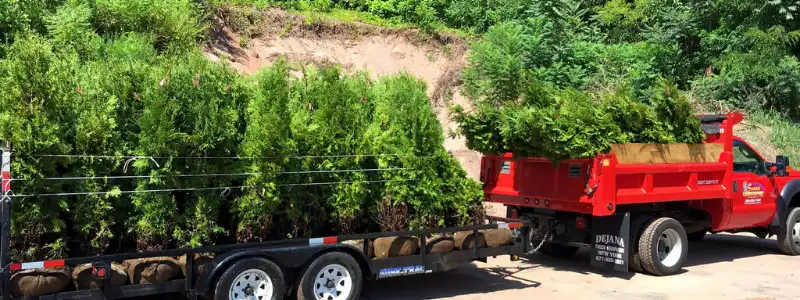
(649, 243)
(634, 263)
(305, 288)
(787, 238)
(559, 250)
(696, 236)
(226, 281)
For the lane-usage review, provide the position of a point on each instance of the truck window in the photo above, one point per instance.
(745, 159)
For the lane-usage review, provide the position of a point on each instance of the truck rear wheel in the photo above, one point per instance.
(634, 262)
(332, 276)
(251, 278)
(663, 246)
(789, 235)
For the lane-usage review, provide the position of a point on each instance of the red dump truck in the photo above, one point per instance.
(639, 205)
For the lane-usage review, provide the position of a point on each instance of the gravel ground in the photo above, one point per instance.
(720, 266)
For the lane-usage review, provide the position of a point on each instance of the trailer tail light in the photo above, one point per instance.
(100, 270)
(514, 214)
(580, 223)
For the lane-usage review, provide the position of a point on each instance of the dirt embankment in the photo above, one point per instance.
(251, 39)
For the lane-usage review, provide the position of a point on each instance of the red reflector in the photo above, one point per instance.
(580, 223)
(514, 213)
(53, 263)
(330, 240)
(15, 267)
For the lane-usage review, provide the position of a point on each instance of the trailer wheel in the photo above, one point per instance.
(332, 276)
(251, 278)
(663, 247)
(789, 235)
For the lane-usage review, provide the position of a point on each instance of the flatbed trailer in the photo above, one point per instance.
(330, 268)
(286, 263)
(642, 214)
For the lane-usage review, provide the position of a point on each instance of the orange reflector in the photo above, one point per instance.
(514, 225)
(606, 163)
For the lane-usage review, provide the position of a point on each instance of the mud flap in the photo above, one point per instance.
(611, 242)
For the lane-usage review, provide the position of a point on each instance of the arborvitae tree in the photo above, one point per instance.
(266, 144)
(404, 124)
(329, 117)
(34, 119)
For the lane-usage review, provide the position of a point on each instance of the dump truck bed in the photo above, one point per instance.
(598, 185)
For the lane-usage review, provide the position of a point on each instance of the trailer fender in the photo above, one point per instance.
(789, 191)
(286, 257)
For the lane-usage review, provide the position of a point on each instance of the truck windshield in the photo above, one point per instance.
(745, 159)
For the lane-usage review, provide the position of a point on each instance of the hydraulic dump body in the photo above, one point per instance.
(597, 186)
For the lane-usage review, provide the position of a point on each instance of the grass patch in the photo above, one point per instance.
(783, 132)
(351, 16)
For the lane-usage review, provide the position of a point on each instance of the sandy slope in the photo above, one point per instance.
(272, 34)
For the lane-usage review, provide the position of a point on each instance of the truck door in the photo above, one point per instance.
(753, 189)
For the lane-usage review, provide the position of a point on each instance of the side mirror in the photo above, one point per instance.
(781, 165)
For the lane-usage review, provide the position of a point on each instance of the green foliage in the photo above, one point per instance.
(758, 73)
(34, 119)
(783, 133)
(173, 22)
(567, 123)
(70, 28)
(404, 123)
(266, 135)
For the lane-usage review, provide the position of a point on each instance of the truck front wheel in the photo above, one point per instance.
(789, 235)
(663, 246)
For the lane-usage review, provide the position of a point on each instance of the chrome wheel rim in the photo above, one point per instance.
(333, 282)
(670, 247)
(796, 233)
(253, 284)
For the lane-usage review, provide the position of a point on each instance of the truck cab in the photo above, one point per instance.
(651, 197)
(763, 189)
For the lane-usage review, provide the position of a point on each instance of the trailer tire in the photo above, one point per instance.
(663, 247)
(634, 262)
(789, 235)
(332, 276)
(251, 277)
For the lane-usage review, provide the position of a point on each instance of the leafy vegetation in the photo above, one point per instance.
(733, 56)
(558, 78)
(122, 88)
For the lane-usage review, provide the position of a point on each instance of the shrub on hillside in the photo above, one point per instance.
(173, 23)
